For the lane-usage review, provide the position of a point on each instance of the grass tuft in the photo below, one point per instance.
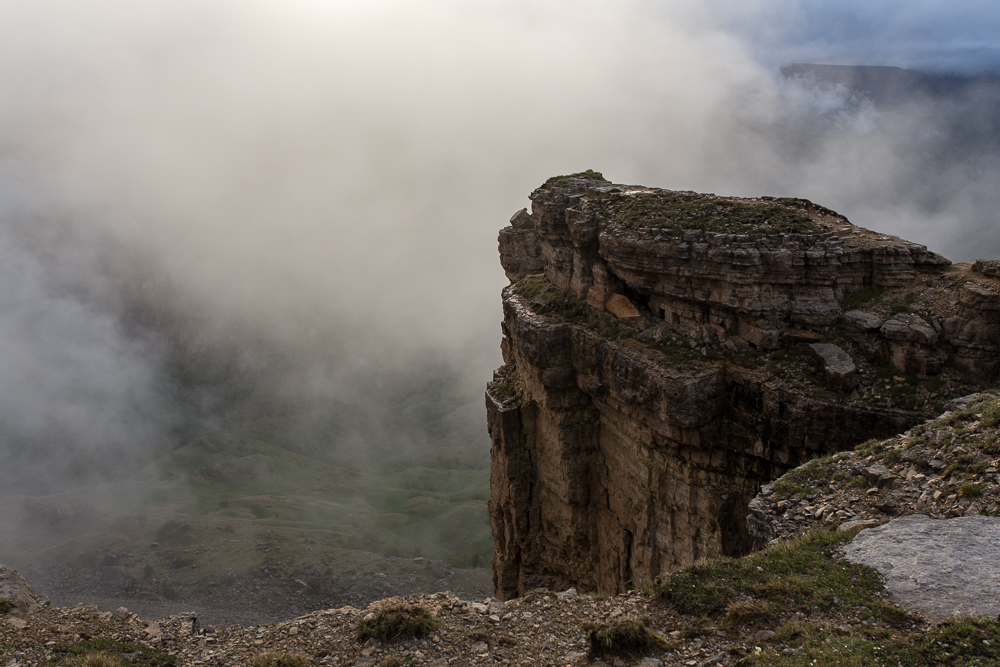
(749, 612)
(96, 660)
(5, 606)
(622, 636)
(396, 622)
(279, 660)
(970, 489)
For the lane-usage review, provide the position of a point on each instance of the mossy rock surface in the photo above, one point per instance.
(679, 211)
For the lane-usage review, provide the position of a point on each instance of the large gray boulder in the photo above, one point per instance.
(16, 590)
(836, 364)
(937, 568)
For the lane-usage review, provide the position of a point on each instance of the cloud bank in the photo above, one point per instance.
(307, 167)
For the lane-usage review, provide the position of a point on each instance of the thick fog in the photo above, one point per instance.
(312, 170)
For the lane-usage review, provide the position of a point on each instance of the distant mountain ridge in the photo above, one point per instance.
(891, 86)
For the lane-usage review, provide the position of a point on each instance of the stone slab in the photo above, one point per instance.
(937, 568)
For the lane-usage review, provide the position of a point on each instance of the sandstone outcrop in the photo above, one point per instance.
(628, 443)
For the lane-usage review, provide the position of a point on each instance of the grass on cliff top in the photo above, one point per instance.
(679, 211)
(565, 179)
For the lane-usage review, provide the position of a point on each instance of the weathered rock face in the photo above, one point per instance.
(627, 442)
(935, 568)
(16, 591)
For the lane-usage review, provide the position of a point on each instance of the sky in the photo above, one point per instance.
(313, 165)
(928, 35)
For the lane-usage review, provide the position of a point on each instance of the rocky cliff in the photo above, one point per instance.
(667, 353)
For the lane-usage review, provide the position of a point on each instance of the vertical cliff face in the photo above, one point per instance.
(667, 353)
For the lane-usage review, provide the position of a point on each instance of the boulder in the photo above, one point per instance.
(937, 568)
(522, 220)
(836, 364)
(862, 320)
(16, 590)
(619, 306)
(909, 328)
(987, 267)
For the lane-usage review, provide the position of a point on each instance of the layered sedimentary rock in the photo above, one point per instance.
(678, 350)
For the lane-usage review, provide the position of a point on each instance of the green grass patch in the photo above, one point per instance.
(96, 660)
(547, 299)
(969, 641)
(122, 652)
(791, 575)
(903, 305)
(862, 297)
(872, 447)
(396, 622)
(786, 486)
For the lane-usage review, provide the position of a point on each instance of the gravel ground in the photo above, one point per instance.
(543, 628)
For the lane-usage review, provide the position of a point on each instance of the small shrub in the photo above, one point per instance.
(990, 444)
(891, 458)
(621, 636)
(396, 622)
(96, 660)
(5, 606)
(858, 482)
(279, 660)
(970, 489)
